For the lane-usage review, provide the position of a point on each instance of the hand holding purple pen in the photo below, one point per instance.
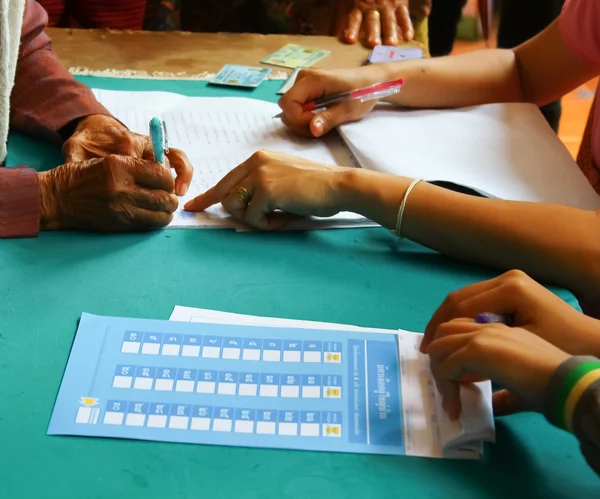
(524, 304)
(489, 318)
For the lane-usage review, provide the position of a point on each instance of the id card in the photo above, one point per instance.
(385, 53)
(294, 56)
(240, 76)
(289, 83)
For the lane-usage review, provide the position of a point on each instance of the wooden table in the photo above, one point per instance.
(187, 53)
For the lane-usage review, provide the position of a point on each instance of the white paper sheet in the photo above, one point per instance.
(428, 430)
(217, 134)
(507, 150)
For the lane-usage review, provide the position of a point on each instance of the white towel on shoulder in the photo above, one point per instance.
(11, 21)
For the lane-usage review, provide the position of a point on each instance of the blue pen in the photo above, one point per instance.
(158, 136)
(488, 318)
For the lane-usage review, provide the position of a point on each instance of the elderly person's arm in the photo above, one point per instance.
(45, 100)
(108, 183)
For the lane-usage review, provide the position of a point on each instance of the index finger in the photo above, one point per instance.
(461, 326)
(218, 192)
(447, 310)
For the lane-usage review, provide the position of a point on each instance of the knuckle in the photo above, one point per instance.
(452, 301)
(112, 162)
(163, 220)
(480, 341)
(516, 281)
(172, 203)
(261, 156)
(110, 176)
(263, 179)
(169, 180)
(227, 204)
(487, 337)
(461, 309)
(444, 329)
(267, 190)
(515, 273)
(121, 197)
(121, 212)
(305, 73)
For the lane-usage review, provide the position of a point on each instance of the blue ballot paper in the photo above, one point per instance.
(227, 384)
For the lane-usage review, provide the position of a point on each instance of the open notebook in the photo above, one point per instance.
(427, 431)
(502, 150)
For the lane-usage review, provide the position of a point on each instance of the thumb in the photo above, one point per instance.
(506, 403)
(328, 119)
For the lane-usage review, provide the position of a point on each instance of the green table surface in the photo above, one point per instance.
(357, 276)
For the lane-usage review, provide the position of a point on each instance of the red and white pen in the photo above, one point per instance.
(377, 91)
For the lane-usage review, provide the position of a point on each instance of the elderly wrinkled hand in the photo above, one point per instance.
(111, 194)
(100, 136)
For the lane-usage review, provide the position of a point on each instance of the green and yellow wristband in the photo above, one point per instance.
(570, 382)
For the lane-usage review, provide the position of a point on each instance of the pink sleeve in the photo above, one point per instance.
(580, 28)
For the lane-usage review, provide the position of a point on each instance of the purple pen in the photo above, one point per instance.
(489, 318)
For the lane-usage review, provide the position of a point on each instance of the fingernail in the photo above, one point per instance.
(319, 124)
(183, 189)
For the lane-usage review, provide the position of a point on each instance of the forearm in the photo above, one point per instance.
(456, 81)
(539, 71)
(550, 242)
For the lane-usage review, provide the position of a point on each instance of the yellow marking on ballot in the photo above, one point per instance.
(333, 356)
(333, 431)
(88, 401)
(333, 392)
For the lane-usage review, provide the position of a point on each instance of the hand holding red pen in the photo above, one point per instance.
(311, 85)
(372, 92)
